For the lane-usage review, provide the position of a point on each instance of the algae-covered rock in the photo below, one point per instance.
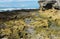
(31, 25)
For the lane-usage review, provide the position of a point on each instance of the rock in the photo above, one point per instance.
(4, 38)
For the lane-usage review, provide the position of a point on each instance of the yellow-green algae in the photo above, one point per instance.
(46, 25)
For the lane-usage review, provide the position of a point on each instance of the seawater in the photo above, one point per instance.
(19, 4)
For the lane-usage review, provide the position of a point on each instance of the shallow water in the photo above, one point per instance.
(19, 5)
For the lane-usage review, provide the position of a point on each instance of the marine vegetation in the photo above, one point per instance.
(41, 24)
